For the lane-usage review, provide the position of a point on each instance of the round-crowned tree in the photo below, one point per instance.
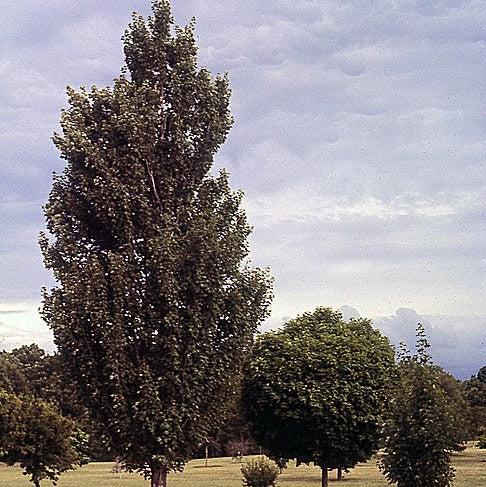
(35, 435)
(155, 305)
(315, 390)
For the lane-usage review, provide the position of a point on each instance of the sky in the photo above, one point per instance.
(359, 141)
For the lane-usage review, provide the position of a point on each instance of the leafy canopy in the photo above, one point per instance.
(154, 307)
(475, 393)
(30, 371)
(421, 430)
(314, 390)
(33, 434)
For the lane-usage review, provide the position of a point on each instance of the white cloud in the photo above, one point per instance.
(306, 205)
(22, 327)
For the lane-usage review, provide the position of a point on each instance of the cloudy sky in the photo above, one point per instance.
(360, 141)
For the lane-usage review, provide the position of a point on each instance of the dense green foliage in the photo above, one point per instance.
(260, 473)
(33, 434)
(315, 389)
(421, 431)
(12, 379)
(154, 308)
(29, 371)
(475, 393)
(459, 408)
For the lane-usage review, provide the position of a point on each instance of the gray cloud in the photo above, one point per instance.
(359, 140)
(457, 343)
(349, 312)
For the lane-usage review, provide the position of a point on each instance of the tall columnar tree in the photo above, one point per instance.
(315, 390)
(155, 306)
(420, 432)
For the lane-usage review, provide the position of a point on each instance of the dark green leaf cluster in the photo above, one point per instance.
(315, 390)
(475, 393)
(260, 473)
(12, 378)
(33, 434)
(421, 431)
(459, 408)
(154, 309)
(29, 371)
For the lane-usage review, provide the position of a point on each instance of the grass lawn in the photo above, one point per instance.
(470, 471)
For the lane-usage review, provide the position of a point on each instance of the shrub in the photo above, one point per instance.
(260, 473)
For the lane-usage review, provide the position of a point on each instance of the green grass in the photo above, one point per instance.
(222, 472)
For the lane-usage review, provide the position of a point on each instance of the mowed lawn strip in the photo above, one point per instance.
(222, 472)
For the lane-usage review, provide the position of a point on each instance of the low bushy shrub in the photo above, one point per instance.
(260, 473)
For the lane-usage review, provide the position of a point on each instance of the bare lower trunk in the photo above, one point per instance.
(159, 477)
(325, 477)
(36, 482)
(340, 473)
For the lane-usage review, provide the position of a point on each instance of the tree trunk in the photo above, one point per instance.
(340, 473)
(207, 454)
(159, 477)
(325, 476)
(36, 482)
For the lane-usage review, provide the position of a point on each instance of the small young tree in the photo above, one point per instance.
(420, 432)
(155, 307)
(33, 434)
(315, 390)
